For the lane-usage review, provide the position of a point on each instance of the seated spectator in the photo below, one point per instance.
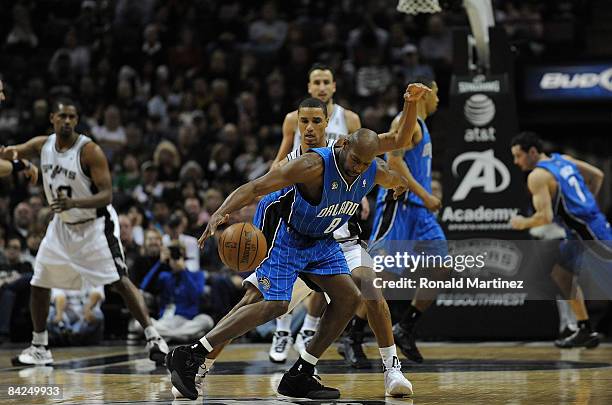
(15, 277)
(75, 318)
(150, 254)
(179, 291)
(411, 66)
(111, 135)
(168, 162)
(195, 216)
(175, 232)
(130, 248)
(150, 187)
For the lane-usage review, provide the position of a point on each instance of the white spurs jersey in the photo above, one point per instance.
(62, 172)
(350, 230)
(336, 127)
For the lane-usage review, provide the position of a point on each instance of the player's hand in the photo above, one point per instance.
(31, 171)
(415, 92)
(432, 203)
(10, 152)
(62, 203)
(211, 228)
(399, 190)
(365, 208)
(518, 222)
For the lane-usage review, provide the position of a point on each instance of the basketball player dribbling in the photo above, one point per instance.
(312, 125)
(341, 122)
(562, 190)
(314, 195)
(14, 165)
(81, 246)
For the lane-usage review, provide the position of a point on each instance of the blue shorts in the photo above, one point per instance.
(409, 227)
(588, 246)
(290, 253)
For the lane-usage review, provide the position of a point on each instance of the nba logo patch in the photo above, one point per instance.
(265, 283)
(364, 183)
(334, 185)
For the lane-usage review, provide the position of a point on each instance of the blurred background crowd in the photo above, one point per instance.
(187, 98)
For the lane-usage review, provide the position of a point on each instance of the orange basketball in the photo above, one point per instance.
(242, 247)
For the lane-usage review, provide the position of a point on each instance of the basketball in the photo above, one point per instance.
(242, 247)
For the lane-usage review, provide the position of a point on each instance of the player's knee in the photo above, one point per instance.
(352, 298)
(251, 296)
(121, 285)
(274, 309)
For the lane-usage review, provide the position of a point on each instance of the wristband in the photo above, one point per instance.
(18, 165)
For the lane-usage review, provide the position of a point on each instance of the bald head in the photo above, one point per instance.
(364, 142)
(359, 151)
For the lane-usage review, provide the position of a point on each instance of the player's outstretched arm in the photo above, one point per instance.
(289, 126)
(301, 170)
(387, 178)
(397, 164)
(28, 150)
(537, 182)
(593, 176)
(402, 138)
(92, 158)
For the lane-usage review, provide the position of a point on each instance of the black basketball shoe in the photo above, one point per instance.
(303, 385)
(183, 364)
(404, 339)
(352, 351)
(580, 338)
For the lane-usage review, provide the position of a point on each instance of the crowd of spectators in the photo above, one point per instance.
(186, 99)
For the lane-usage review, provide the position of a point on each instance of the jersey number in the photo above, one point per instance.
(66, 190)
(574, 183)
(333, 225)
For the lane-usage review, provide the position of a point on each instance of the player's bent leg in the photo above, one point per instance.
(156, 345)
(251, 296)
(184, 361)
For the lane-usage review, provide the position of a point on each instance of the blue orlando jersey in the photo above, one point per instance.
(574, 201)
(339, 200)
(418, 160)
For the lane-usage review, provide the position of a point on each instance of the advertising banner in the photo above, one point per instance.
(569, 83)
(482, 187)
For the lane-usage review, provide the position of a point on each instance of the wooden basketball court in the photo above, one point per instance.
(476, 373)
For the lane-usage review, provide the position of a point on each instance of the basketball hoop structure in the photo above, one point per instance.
(480, 15)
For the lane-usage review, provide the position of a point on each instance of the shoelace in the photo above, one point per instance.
(281, 343)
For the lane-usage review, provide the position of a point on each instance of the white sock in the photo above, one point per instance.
(208, 363)
(309, 358)
(283, 323)
(40, 339)
(310, 323)
(150, 332)
(205, 343)
(387, 354)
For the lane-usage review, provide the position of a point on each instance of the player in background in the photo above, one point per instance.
(341, 122)
(562, 190)
(12, 164)
(411, 218)
(81, 246)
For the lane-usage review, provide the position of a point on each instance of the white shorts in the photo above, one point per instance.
(84, 255)
(355, 255)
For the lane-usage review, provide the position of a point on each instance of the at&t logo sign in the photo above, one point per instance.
(481, 174)
(479, 110)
